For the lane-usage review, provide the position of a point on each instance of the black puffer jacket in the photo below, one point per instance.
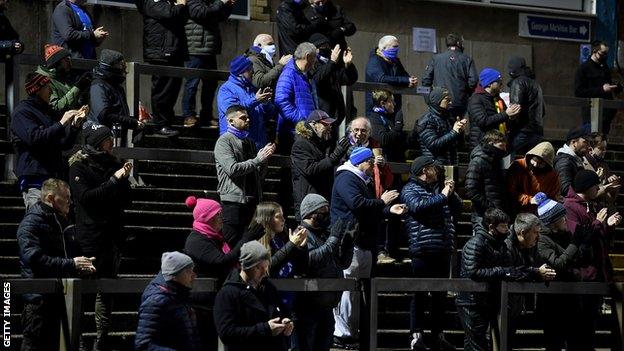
(241, 315)
(486, 259)
(483, 114)
(330, 77)
(428, 223)
(338, 25)
(202, 29)
(42, 247)
(455, 71)
(485, 181)
(293, 26)
(567, 164)
(107, 103)
(435, 131)
(99, 199)
(526, 91)
(164, 36)
(313, 165)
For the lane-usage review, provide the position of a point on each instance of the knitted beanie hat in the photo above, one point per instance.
(240, 64)
(310, 204)
(172, 263)
(35, 82)
(549, 211)
(359, 155)
(251, 253)
(489, 76)
(53, 54)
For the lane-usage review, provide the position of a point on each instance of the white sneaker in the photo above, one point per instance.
(417, 343)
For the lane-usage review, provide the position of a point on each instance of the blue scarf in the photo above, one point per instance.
(88, 49)
(241, 134)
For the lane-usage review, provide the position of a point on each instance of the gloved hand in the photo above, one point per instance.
(84, 82)
(341, 149)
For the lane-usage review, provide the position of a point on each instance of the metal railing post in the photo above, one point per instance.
(503, 318)
(596, 114)
(133, 96)
(345, 99)
(73, 304)
(372, 329)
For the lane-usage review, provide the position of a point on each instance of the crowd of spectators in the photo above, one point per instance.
(536, 214)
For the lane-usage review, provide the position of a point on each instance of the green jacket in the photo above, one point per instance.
(64, 97)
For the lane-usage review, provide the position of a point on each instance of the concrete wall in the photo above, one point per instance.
(491, 38)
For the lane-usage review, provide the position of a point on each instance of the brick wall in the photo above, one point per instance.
(260, 10)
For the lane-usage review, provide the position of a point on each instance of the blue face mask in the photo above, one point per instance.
(391, 53)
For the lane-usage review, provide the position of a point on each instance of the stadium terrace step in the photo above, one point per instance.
(181, 142)
(183, 181)
(188, 168)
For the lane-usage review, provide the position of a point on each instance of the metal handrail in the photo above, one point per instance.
(74, 289)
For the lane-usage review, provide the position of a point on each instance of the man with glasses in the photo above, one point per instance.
(593, 80)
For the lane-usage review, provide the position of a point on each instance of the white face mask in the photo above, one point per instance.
(268, 51)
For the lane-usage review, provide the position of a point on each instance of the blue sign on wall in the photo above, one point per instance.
(555, 28)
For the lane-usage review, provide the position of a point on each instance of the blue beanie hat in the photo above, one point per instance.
(359, 155)
(549, 211)
(240, 64)
(489, 76)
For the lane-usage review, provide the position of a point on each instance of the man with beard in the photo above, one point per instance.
(486, 110)
(530, 175)
(101, 191)
(527, 129)
(108, 105)
(593, 80)
(9, 39)
(437, 139)
(569, 159)
(58, 67)
(485, 181)
(354, 199)
(313, 159)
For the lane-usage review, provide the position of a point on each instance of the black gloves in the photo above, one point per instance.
(84, 82)
(341, 149)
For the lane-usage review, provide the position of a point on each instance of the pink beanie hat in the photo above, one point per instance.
(203, 209)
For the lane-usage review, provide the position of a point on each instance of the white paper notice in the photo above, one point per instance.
(424, 39)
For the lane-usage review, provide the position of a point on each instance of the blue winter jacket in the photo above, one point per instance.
(237, 91)
(39, 140)
(379, 70)
(166, 320)
(295, 95)
(428, 224)
(354, 199)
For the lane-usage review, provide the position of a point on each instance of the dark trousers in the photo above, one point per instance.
(165, 92)
(236, 218)
(41, 323)
(521, 142)
(562, 322)
(209, 87)
(476, 322)
(315, 328)
(107, 266)
(429, 266)
(389, 230)
(607, 117)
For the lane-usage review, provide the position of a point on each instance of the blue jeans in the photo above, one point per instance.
(209, 87)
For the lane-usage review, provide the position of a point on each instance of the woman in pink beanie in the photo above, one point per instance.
(214, 257)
